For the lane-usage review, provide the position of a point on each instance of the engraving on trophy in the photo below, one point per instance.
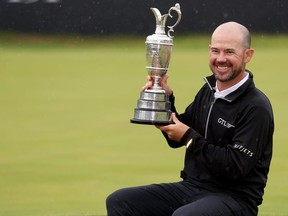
(154, 106)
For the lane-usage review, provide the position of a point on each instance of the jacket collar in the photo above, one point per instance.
(211, 82)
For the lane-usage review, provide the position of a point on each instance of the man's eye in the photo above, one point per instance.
(230, 52)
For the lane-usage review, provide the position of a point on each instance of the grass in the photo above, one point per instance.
(65, 104)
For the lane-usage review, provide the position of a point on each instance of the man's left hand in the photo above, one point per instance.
(174, 131)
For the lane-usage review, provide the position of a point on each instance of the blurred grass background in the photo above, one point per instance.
(65, 105)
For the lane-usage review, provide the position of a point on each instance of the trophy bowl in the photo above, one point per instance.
(158, 57)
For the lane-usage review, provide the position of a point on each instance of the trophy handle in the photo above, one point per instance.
(177, 9)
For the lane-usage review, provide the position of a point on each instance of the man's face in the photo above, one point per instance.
(227, 57)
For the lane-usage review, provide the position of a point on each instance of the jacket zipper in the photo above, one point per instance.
(208, 117)
(212, 104)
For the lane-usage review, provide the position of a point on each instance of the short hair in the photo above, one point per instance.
(246, 38)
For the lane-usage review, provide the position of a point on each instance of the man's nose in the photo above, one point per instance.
(221, 57)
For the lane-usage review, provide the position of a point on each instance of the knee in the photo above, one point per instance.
(178, 212)
(115, 203)
(109, 201)
(112, 201)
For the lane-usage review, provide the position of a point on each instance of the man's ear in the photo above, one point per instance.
(248, 54)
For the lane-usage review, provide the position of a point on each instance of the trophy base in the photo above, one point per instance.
(153, 108)
(150, 122)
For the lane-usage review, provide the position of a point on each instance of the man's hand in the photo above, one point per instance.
(162, 82)
(174, 131)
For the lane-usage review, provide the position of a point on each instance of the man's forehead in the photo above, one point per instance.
(226, 42)
(222, 48)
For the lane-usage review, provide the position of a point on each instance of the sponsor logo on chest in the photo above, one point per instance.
(225, 123)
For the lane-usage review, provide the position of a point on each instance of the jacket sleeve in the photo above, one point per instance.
(184, 118)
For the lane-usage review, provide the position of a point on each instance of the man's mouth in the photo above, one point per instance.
(222, 68)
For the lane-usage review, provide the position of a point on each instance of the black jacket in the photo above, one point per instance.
(232, 141)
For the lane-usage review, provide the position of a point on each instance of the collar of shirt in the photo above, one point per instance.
(222, 94)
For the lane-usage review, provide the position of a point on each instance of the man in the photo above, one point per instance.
(227, 131)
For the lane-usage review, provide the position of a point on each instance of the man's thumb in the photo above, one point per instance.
(174, 118)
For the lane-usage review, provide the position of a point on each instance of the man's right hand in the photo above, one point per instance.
(162, 82)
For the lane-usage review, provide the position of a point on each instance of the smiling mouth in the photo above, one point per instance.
(222, 68)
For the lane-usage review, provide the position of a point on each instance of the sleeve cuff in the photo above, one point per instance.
(187, 138)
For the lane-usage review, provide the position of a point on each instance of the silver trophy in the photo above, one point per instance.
(154, 106)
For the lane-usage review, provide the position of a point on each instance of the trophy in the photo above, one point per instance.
(154, 106)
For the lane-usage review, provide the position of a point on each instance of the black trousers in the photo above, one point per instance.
(174, 199)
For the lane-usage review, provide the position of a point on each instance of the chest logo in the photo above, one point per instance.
(225, 123)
